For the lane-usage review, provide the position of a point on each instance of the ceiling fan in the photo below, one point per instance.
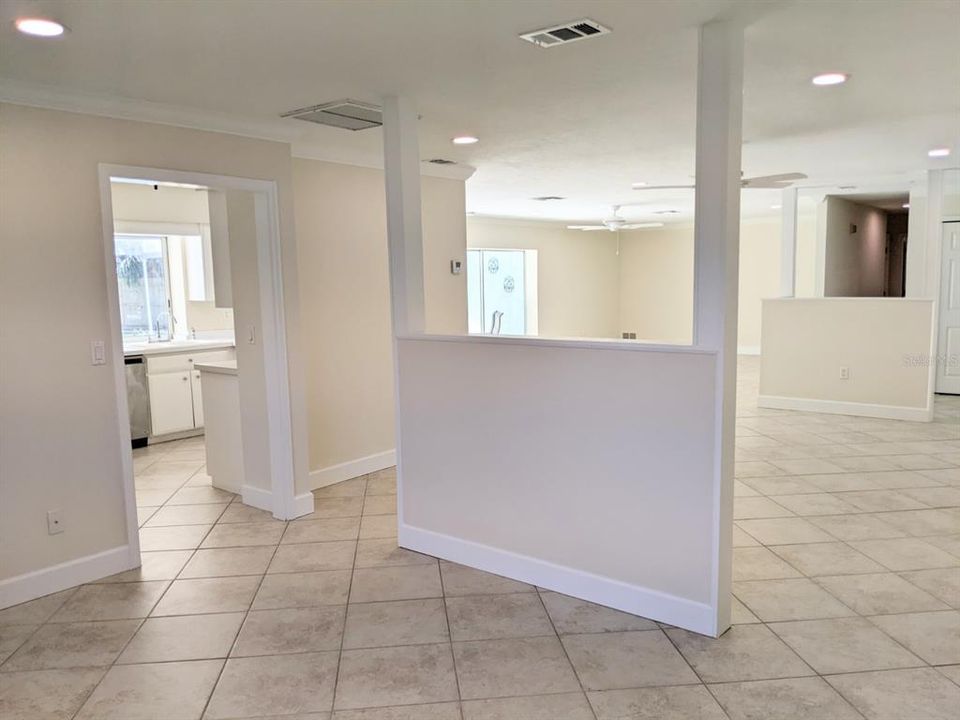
(761, 182)
(615, 223)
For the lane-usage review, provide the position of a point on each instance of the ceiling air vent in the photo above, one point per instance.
(441, 161)
(346, 114)
(548, 198)
(566, 33)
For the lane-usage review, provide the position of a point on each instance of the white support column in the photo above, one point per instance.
(788, 242)
(401, 155)
(716, 257)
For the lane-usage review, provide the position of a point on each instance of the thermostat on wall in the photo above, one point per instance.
(455, 267)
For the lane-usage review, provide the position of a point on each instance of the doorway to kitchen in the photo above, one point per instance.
(178, 304)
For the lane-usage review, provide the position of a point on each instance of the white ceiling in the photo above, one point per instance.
(582, 121)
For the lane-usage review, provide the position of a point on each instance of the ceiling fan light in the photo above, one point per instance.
(830, 78)
(939, 152)
(40, 27)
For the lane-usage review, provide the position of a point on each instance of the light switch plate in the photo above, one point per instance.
(98, 352)
(54, 522)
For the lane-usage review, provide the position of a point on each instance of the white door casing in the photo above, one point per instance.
(948, 335)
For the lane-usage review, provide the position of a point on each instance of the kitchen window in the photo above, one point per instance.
(143, 277)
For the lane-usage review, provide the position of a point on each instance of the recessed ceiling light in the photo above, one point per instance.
(832, 78)
(638, 185)
(465, 140)
(40, 27)
(906, 206)
(939, 152)
(776, 207)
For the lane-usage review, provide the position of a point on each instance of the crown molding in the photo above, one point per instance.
(55, 98)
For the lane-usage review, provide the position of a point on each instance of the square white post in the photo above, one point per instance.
(716, 256)
(401, 157)
(788, 242)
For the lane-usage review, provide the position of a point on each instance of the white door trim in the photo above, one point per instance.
(272, 333)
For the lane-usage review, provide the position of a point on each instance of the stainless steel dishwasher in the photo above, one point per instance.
(138, 400)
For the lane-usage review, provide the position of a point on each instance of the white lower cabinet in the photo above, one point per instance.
(171, 402)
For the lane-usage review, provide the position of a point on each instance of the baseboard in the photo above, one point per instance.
(38, 583)
(837, 407)
(354, 468)
(263, 499)
(748, 350)
(635, 599)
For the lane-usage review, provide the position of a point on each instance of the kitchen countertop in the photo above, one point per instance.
(222, 367)
(175, 346)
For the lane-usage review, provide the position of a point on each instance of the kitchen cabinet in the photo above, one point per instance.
(176, 397)
(171, 402)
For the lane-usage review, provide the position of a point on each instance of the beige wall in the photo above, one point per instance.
(853, 261)
(577, 273)
(60, 449)
(342, 250)
(807, 341)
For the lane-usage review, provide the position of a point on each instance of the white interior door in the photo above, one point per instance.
(948, 344)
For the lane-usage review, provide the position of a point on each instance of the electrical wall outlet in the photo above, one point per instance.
(844, 372)
(54, 522)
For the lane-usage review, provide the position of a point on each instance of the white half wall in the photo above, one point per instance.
(609, 495)
(885, 344)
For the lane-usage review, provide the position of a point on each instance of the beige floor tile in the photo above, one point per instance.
(382, 482)
(842, 482)
(572, 615)
(857, 527)
(274, 685)
(186, 515)
(933, 636)
(741, 489)
(815, 504)
(243, 535)
(46, 694)
(226, 562)
(900, 694)
(114, 601)
(207, 595)
(408, 582)
(881, 501)
(180, 638)
(785, 485)
(328, 530)
(380, 505)
(740, 614)
(943, 584)
(313, 557)
(395, 676)
(742, 539)
(513, 667)
(566, 706)
(759, 563)
(663, 703)
(378, 526)
(463, 580)
(950, 671)
(400, 622)
(788, 699)
(384, 552)
(432, 711)
(290, 590)
(879, 593)
(757, 507)
(488, 617)
(72, 645)
(784, 531)
(153, 498)
(612, 661)
(178, 537)
(200, 496)
(791, 599)
(12, 637)
(924, 522)
(807, 466)
(334, 507)
(144, 514)
(237, 512)
(291, 630)
(143, 692)
(160, 565)
(744, 652)
(906, 554)
(937, 497)
(355, 487)
(827, 559)
(844, 645)
(35, 611)
(950, 543)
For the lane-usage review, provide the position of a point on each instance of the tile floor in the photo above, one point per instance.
(847, 604)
